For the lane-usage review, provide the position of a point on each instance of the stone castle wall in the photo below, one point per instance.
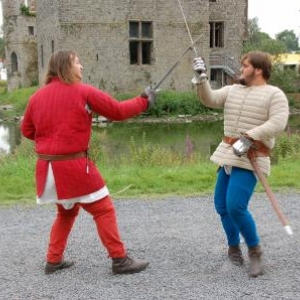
(99, 32)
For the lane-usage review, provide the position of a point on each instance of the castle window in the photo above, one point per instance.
(140, 42)
(212, 0)
(14, 62)
(216, 39)
(213, 74)
(31, 30)
(52, 46)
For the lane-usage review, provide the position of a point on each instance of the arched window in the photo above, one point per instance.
(14, 62)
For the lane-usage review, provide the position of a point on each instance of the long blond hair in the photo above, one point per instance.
(59, 65)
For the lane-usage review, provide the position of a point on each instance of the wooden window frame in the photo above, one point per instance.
(217, 30)
(140, 42)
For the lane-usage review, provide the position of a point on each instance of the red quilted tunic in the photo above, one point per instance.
(58, 118)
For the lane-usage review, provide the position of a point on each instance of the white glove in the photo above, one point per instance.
(150, 94)
(241, 146)
(200, 71)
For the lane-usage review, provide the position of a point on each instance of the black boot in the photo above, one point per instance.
(255, 267)
(128, 265)
(235, 255)
(51, 268)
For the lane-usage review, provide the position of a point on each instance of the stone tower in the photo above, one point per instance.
(19, 28)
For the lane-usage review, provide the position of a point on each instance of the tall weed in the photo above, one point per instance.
(143, 153)
(287, 145)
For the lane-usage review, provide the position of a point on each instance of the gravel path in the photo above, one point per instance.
(181, 237)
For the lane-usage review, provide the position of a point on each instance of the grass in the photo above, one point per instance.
(147, 172)
(160, 181)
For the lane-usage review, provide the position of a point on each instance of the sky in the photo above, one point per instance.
(273, 16)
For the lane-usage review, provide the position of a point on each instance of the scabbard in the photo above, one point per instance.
(270, 194)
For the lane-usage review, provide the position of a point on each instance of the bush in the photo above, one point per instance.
(174, 102)
(3, 84)
(142, 153)
(3, 87)
(285, 79)
(287, 145)
(18, 98)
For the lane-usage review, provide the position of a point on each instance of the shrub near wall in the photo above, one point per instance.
(3, 87)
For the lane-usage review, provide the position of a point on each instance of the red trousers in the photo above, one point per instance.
(104, 215)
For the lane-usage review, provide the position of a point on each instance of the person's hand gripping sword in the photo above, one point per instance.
(150, 94)
(199, 68)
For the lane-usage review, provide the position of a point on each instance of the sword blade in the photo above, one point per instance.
(187, 26)
(157, 85)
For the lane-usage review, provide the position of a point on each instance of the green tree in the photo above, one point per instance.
(289, 39)
(258, 40)
(284, 42)
(253, 31)
(286, 79)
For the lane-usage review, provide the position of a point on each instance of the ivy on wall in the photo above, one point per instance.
(25, 11)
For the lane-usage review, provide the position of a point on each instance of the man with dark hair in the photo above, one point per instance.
(254, 112)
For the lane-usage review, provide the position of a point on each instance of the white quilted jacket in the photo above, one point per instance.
(259, 111)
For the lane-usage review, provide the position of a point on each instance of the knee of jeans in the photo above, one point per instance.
(234, 211)
(221, 210)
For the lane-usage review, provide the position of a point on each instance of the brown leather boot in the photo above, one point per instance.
(51, 268)
(255, 267)
(128, 265)
(235, 255)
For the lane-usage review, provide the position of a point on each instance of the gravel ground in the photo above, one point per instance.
(181, 237)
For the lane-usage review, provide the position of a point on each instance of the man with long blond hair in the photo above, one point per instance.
(58, 119)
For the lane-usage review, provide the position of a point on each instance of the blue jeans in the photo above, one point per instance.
(232, 196)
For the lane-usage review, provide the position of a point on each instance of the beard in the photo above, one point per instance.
(242, 81)
(247, 79)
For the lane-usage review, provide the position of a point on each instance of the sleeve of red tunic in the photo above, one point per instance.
(105, 105)
(27, 126)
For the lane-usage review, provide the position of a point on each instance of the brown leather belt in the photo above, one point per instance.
(257, 148)
(61, 156)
